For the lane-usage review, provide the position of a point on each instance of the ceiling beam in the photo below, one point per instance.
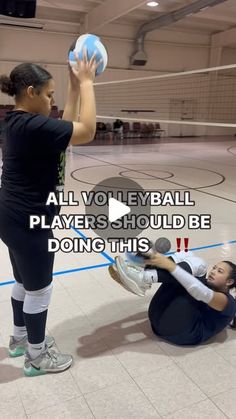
(109, 11)
(221, 17)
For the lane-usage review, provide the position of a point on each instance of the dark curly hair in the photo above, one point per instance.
(23, 76)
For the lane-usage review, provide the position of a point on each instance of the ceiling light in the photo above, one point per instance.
(152, 4)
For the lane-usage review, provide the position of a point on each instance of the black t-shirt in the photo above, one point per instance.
(33, 161)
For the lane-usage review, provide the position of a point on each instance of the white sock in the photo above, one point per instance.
(150, 276)
(35, 349)
(19, 332)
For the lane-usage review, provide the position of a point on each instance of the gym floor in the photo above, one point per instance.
(121, 370)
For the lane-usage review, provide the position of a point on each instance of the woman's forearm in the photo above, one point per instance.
(88, 105)
(71, 110)
(192, 285)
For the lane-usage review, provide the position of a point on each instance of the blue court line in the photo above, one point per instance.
(214, 245)
(85, 268)
(112, 260)
(104, 254)
(210, 246)
(7, 283)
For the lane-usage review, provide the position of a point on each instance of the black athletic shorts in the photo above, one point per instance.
(32, 264)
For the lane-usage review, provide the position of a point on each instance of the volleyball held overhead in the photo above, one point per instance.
(91, 43)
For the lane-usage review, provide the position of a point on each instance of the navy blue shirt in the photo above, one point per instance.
(33, 161)
(215, 321)
(172, 300)
(207, 324)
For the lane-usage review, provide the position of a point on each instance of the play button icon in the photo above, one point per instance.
(117, 210)
(114, 205)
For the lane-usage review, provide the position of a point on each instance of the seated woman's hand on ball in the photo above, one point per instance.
(161, 261)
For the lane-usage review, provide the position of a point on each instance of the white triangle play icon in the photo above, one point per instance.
(117, 210)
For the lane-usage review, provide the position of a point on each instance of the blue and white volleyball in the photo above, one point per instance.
(92, 44)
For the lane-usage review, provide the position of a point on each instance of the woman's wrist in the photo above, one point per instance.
(87, 82)
(170, 265)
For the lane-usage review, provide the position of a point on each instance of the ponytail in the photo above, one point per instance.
(232, 274)
(7, 86)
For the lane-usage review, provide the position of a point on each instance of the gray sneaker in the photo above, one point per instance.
(131, 277)
(18, 348)
(48, 361)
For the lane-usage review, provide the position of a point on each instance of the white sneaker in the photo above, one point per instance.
(197, 265)
(181, 256)
(131, 277)
(115, 275)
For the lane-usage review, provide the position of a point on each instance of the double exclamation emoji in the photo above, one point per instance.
(178, 243)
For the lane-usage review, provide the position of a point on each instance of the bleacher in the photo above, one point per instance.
(130, 131)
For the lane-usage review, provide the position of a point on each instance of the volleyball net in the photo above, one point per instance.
(202, 97)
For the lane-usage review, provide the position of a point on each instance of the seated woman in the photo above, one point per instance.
(189, 307)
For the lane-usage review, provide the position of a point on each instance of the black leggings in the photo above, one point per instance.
(31, 262)
(172, 310)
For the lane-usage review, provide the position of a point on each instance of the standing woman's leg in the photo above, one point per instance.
(10, 235)
(19, 338)
(37, 270)
(17, 301)
(33, 264)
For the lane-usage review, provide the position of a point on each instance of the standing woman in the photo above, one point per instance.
(33, 166)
